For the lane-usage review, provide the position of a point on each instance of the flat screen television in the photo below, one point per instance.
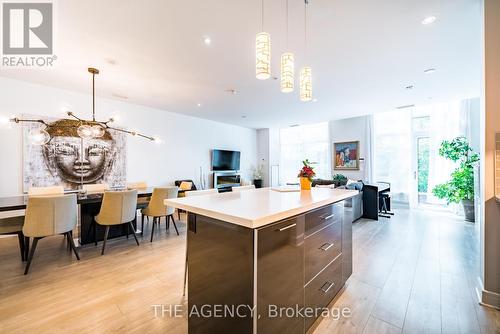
(225, 160)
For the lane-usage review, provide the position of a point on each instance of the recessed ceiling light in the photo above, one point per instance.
(243, 116)
(199, 104)
(409, 87)
(207, 41)
(430, 70)
(231, 91)
(429, 20)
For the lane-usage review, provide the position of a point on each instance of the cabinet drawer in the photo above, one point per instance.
(321, 248)
(321, 290)
(319, 218)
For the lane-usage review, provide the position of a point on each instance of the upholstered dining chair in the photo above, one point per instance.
(242, 188)
(201, 192)
(42, 191)
(95, 188)
(47, 216)
(157, 208)
(14, 225)
(117, 208)
(184, 186)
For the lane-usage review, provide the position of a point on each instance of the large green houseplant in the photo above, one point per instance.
(460, 188)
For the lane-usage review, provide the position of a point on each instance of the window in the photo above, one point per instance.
(304, 142)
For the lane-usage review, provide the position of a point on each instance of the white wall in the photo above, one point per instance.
(352, 129)
(186, 146)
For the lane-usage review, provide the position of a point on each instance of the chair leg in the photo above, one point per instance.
(30, 257)
(20, 236)
(128, 230)
(26, 247)
(173, 221)
(105, 239)
(179, 214)
(153, 228)
(72, 244)
(133, 233)
(142, 224)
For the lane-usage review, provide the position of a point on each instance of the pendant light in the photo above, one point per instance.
(306, 71)
(262, 51)
(287, 64)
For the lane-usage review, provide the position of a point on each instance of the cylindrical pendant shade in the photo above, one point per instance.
(306, 84)
(287, 72)
(263, 56)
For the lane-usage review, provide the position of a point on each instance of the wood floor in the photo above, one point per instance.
(412, 274)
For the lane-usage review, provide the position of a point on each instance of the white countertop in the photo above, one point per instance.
(259, 207)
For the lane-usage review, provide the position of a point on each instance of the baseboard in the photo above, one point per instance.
(487, 298)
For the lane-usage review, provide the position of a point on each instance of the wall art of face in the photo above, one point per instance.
(74, 159)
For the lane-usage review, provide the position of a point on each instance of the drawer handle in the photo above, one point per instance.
(327, 217)
(287, 227)
(326, 246)
(326, 287)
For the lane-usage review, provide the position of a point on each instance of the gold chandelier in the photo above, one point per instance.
(86, 129)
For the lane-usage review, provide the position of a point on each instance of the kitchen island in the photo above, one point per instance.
(259, 260)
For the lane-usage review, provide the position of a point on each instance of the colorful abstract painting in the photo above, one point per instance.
(346, 155)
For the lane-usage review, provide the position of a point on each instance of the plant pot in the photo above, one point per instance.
(257, 183)
(469, 210)
(305, 183)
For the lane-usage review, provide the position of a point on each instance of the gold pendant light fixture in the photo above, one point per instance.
(85, 128)
(287, 64)
(262, 51)
(306, 71)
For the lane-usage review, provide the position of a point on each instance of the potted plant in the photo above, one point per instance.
(258, 175)
(460, 188)
(306, 175)
(340, 180)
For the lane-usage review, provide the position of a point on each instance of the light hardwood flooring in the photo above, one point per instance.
(412, 274)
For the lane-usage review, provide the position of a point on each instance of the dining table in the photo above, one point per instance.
(89, 206)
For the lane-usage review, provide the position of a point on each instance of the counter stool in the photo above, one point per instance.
(385, 197)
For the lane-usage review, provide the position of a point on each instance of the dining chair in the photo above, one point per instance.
(184, 186)
(242, 188)
(142, 202)
(95, 188)
(157, 208)
(47, 216)
(14, 225)
(42, 191)
(201, 192)
(117, 208)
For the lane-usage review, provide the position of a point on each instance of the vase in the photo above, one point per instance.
(305, 183)
(257, 183)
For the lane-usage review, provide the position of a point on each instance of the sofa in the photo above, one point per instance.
(353, 207)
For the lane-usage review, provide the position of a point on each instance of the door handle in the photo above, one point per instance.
(327, 217)
(326, 287)
(326, 246)
(287, 227)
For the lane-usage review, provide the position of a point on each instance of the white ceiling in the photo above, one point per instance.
(363, 53)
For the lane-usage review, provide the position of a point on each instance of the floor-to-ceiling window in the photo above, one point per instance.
(304, 142)
(407, 145)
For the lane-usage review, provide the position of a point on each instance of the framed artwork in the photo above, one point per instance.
(346, 155)
(71, 161)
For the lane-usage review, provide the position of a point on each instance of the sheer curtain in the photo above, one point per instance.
(300, 143)
(395, 137)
